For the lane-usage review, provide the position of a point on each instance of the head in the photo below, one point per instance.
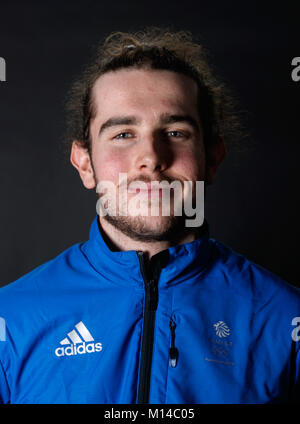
(147, 107)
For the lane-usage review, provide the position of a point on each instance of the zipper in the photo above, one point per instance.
(173, 351)
(151, 300)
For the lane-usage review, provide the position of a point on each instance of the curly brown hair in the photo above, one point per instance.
(156, 48)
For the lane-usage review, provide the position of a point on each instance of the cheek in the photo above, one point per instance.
(191, 165)
(108, 165)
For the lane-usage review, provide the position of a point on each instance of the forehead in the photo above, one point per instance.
(144, 91)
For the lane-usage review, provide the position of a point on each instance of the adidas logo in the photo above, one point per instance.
(80, 342)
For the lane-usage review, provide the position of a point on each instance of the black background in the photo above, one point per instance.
(253, 205)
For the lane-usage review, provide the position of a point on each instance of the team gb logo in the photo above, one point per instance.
(222, 330)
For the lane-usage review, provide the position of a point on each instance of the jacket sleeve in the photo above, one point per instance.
(4, 389)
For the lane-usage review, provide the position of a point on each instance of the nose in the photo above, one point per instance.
(151, 155)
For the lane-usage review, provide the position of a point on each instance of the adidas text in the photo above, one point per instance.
(78, 349)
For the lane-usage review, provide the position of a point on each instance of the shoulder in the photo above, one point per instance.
(253, 280)
(47, 275)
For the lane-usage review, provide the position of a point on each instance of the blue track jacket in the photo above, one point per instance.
(200, 324)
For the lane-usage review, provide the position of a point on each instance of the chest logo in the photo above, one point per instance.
(78, 342)
(222, 329)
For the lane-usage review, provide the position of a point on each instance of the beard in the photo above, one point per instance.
(158, 226)
(165, 228)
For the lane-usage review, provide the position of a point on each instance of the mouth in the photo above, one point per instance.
(149, 191)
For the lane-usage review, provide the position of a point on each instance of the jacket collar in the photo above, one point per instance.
(178, 264)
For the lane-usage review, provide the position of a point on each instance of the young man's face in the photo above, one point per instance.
(146, 126)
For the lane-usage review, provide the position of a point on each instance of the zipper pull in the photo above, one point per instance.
(173, 352)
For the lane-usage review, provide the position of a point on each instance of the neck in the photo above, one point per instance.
(118, 241)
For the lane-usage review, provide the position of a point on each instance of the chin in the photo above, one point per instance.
(148, 228)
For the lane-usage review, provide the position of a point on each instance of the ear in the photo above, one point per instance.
(81, 160)
(215, 156)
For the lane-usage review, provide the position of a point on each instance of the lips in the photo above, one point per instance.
(156, 192)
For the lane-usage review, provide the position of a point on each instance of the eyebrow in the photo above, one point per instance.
(133, 120)
(118, 120)
(172, 119)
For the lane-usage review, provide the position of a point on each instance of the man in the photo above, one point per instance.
(149, 309)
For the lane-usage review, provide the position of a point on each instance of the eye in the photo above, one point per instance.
(123, 135)
(176, 134)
